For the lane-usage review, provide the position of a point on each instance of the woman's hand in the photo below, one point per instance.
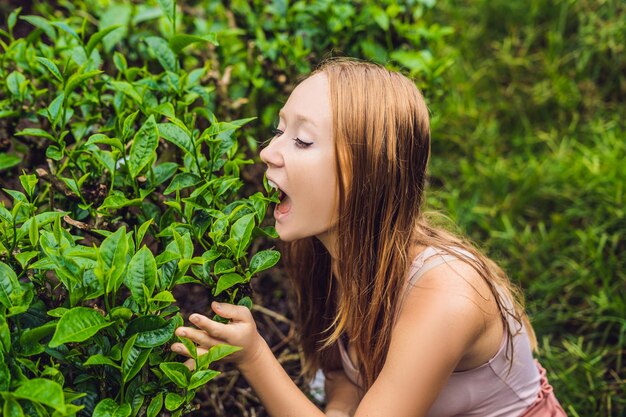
(240, 331)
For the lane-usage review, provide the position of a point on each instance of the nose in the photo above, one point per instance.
(271, 154)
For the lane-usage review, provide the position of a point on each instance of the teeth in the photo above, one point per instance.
(271, 184)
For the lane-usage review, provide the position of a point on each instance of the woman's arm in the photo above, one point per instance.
(342, 396)
(441, 319)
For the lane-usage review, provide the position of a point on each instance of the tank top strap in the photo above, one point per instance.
(431, 258)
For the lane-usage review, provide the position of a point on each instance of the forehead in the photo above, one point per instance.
(309, 102)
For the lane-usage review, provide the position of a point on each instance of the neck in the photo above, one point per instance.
(329, 240)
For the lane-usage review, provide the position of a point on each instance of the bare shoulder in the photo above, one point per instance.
(458, 280)
(455, 299)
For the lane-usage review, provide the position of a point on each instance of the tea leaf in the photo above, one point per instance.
(173, 401)
(155, 405)
(241, 231)
(10, 288)
(32, 336)
(55, 111)
(177, 136)
(13, 18)
(77, 325)
(133, 359)
(77, 79)
(216, 353)
(24, 257)
(11, 407)
(142, 231)
(226, 281)
(142, 271)
(152, 331)
(177, 372)
(223, 266)
(98, 36)
(179, 42)
(163, 297)
(43, 24)
(169, 9)
(63, 26)
(117, 201)
(200, 378)
(43, 391)
(14, 81)
(111, 261)
(163, 53)
(100, 359)
(110, 408)
(182, 180)
(130, 91)
(8, 160)
(144, 146)
(50, 66)
(29, 131)
(263, 260)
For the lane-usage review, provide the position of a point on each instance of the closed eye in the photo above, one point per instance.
(302, 144)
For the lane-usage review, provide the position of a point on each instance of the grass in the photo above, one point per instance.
(528, 158)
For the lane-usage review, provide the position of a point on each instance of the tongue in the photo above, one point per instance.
(284, 205)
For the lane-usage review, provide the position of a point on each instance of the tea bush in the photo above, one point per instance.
(130, 188)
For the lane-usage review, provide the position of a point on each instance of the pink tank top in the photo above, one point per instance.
(493, 389)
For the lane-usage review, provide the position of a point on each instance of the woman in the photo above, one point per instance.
(403, 318)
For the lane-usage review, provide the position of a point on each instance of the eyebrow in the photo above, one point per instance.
(299, 118)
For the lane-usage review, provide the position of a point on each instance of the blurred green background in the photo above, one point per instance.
(528, 125)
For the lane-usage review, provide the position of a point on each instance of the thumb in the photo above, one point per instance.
(231, 311)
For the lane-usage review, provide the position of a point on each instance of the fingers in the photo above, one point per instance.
(212, 328)
(233, 312)
(200, 337)
(181, 349)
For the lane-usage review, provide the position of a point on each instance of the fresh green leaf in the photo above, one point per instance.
(98, 36)
(50, 66)
(10, 288)
(216, 353)
(226, 281)
(77, 325)
(43, 391)
(8, 161)
(111, 261)
(182, 180)
(152, 331)
(144, 146)
(100, 359)
(78, 79)
(241, 232)
(263, 260)
(141, 273)
(109, 408)
(169, 9)
(177, 372)
(200, 378)
(173, 401)
(12, 408)
(155, 406)
(179, 42)
(177, 136)
(163, 53)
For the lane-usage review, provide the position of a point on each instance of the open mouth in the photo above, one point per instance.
(285, 203)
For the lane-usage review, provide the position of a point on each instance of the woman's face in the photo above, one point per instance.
(301, 163)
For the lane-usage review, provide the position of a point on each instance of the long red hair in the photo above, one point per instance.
(381, 132)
